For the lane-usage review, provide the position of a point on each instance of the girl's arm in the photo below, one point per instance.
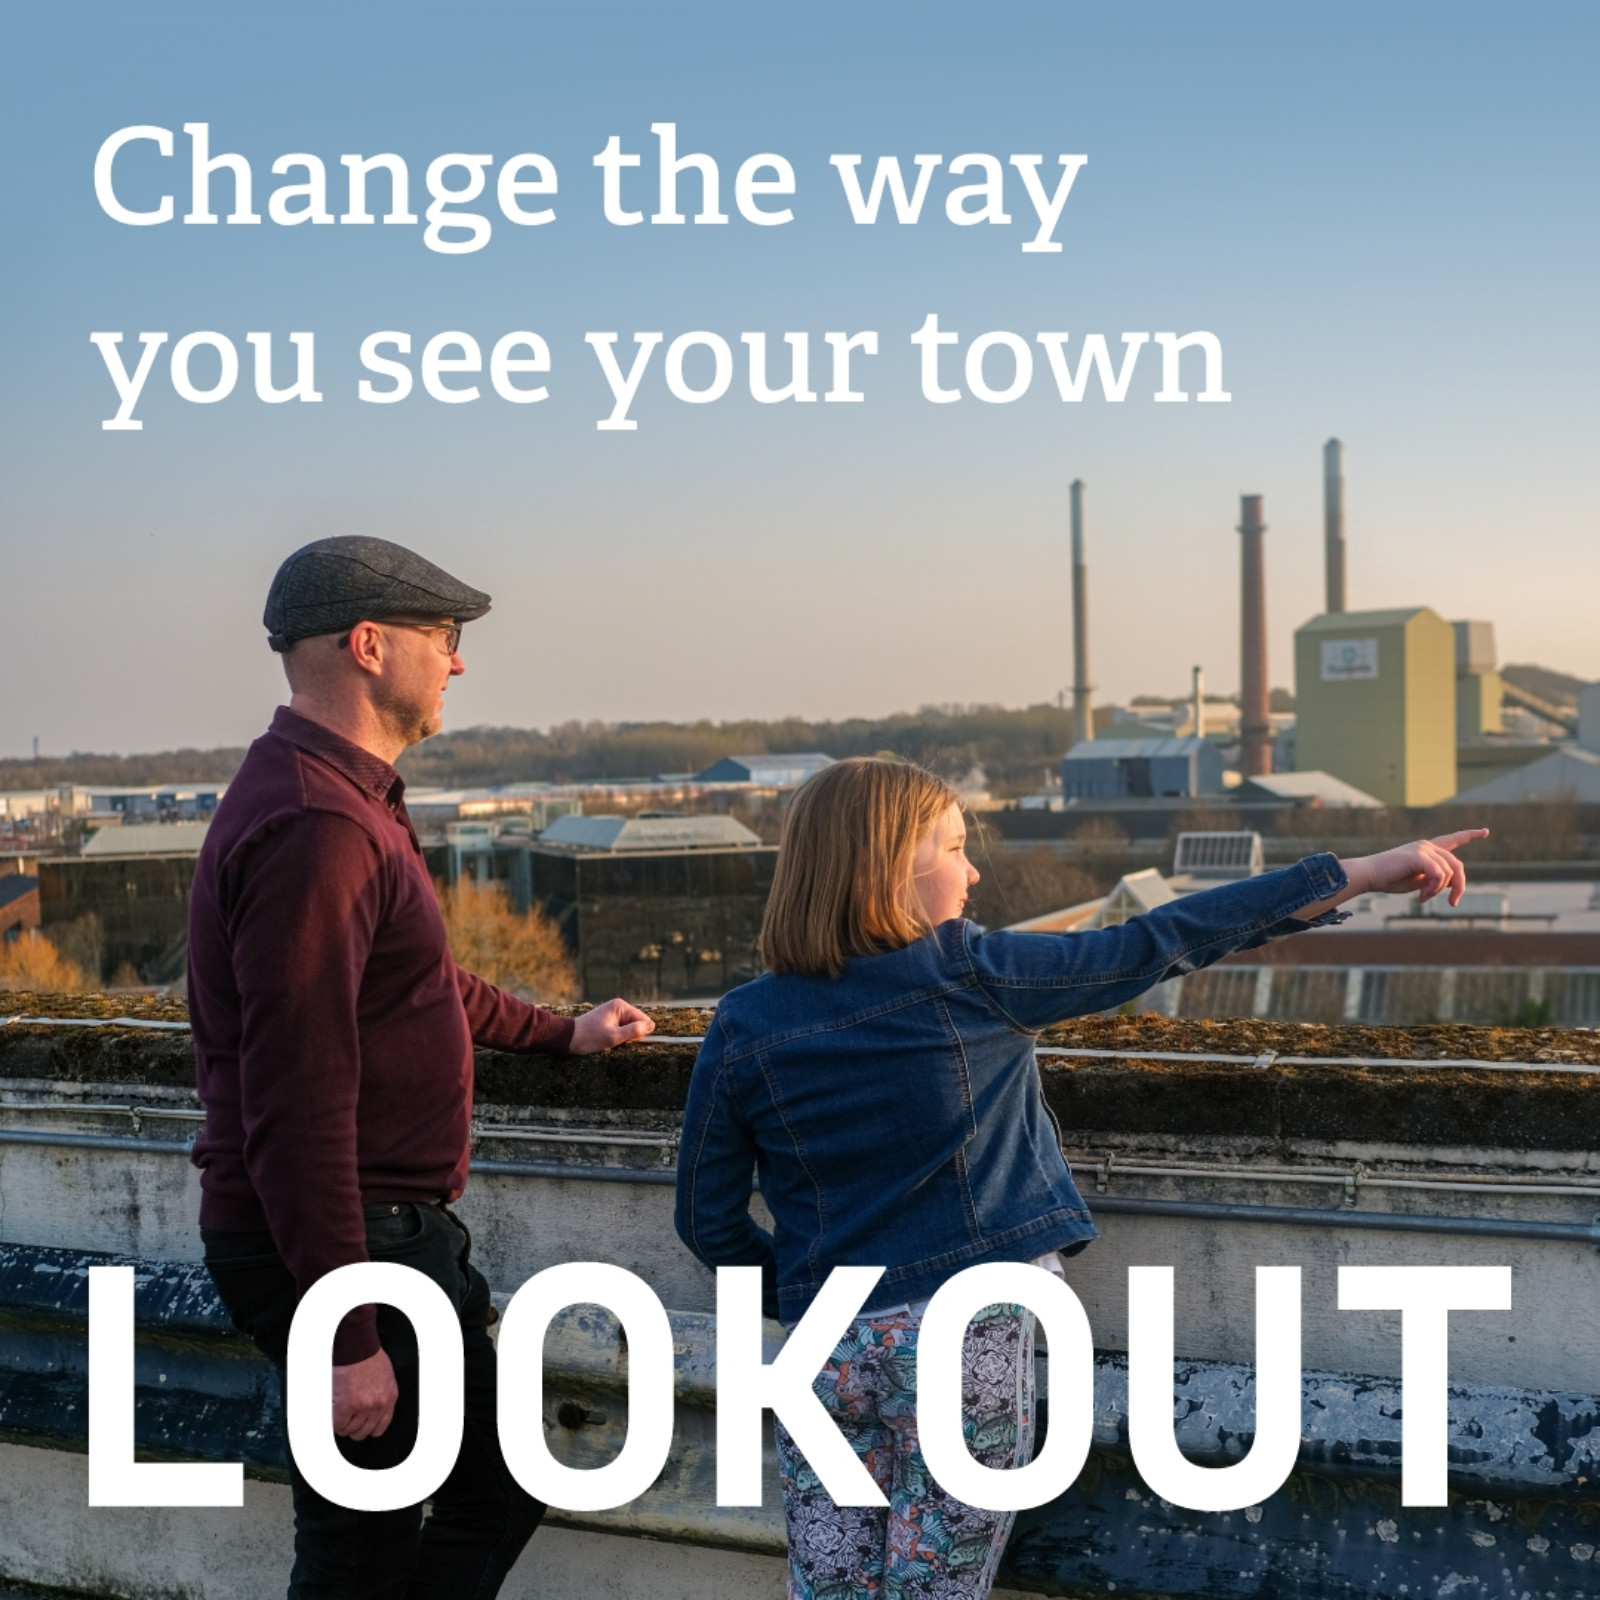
(1424, 868)
(1039, 978)
(716, 1167)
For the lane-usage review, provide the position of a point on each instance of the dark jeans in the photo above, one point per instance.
(481, 1516)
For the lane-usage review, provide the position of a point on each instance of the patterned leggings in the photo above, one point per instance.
(924, 1544)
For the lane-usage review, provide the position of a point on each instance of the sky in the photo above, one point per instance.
(1385, 215)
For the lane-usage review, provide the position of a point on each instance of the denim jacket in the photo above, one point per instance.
(894, 1113)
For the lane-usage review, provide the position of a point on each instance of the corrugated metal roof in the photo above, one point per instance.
(1314, 785)
(148, 839)
(648, 833)
(1133, 749)
(1562, 775)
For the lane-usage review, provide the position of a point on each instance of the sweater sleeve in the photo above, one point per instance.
(307, 899)
(500, 1021)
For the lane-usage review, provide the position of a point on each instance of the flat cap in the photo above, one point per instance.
(332, 584)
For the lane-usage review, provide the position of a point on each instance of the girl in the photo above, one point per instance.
(881, 1079)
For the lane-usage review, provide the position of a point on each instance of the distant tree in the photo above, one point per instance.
(1013, 747)
(82, 942)
(167, 766)
(33, 963)
(1099, 838)
(522, 954)
(1015, 885)
(1207, 820)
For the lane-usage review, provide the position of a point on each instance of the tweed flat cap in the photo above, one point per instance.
(332, 584)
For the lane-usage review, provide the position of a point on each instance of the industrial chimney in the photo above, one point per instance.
(1199, 703)
(1255, 726)
(1333, 521)
(1082, 716)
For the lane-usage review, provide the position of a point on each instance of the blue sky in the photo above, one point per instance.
(1387, 216)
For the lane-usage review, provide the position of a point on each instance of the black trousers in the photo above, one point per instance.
(481, 1516)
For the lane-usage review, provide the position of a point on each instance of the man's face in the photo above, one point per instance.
(417, 668)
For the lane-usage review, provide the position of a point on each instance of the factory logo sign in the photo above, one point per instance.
(1349, 658)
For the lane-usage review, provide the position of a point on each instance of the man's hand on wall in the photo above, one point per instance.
(614, 1023)
(364, 1396)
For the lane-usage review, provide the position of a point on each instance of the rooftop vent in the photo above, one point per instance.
(1218, 855)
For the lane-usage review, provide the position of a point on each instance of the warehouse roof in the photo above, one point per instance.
(148, 839)
(1313, 788)
(1132, 749)
(1562, 775)
(648, 833)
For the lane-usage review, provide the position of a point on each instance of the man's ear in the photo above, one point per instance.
(366, 647)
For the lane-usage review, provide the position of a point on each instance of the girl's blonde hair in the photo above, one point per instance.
(842, 886)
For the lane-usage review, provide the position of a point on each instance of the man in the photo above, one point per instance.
(333, 1049)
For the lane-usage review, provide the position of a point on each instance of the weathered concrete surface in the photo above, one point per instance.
(1521, 1511)
(1219, 1120)
(54, 1540)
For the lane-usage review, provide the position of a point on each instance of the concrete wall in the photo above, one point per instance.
(54, 1540)
(147, 1204)
(595, 1158)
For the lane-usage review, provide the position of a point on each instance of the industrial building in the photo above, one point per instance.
(1138, 769)
(1565, 774)
(140, 894)
(652, 907)
(1375, 702)
(766, 771)
(1304, 789)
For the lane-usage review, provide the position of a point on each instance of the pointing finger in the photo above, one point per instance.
(1454, 841)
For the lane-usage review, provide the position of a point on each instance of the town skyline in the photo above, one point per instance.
(1377, 223)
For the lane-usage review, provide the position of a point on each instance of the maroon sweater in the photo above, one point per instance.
(333, 1032)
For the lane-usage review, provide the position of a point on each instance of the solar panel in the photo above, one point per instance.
(1218, 855)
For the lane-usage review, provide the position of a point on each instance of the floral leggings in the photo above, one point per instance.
(924, 1543)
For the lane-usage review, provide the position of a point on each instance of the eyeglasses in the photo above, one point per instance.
(450, 630)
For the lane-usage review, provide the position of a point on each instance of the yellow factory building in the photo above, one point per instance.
(1375, 702)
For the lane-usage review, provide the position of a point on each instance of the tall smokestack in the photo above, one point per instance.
(1255, 726)
(1082, 716)
(1199, 704)
(1333, 521)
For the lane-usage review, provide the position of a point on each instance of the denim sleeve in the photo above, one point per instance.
(716, 1169)
(1039, 978)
